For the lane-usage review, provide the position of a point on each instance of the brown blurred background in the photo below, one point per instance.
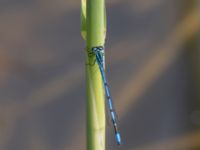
(153, 66)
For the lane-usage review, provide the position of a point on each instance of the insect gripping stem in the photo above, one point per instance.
(99, 53)
(93, 31)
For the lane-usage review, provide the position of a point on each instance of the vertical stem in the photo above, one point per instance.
(95, 36)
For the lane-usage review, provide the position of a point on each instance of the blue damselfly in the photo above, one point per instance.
(99, 53)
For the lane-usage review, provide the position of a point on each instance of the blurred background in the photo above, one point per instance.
(153, 66)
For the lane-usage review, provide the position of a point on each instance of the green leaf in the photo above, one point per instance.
(83, 19)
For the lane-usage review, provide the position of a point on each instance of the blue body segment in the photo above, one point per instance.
(118, 138)
(99, 53)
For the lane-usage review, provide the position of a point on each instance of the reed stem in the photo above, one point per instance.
(93, 31)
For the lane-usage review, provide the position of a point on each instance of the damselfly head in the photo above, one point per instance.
(101, 48)
(98, 48)
(94, 49)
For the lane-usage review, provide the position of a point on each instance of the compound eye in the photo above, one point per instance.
(94, 49)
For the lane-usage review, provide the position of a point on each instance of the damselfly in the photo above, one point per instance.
(99, 53)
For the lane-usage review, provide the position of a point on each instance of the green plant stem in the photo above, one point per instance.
(95, 36)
